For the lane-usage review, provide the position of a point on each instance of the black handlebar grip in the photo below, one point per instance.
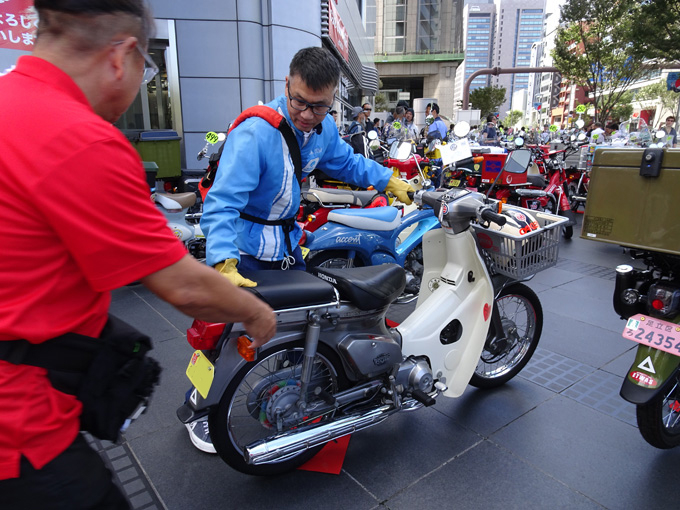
(489, 215)
(410, 194)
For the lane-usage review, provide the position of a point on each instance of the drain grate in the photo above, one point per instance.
(554, 371)
(127, 474)
(600, 390)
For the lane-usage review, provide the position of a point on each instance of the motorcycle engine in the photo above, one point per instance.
(415, 374)
(370, 355)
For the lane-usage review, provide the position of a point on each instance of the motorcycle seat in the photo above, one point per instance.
(185, 200)
(368, 288)
(379, 218)
(290, 289)
(338, 196)
(537, 180)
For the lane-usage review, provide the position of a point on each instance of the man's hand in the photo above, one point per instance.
(399, 189)
(262, 326)
(228, 270)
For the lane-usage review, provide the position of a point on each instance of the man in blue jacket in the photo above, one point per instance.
(256, 174)
(438, 128)
(249, 212)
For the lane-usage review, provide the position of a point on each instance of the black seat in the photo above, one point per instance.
(368, 288)
(290, 289)
(537, 180)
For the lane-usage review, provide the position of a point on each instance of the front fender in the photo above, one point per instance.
(651, 373)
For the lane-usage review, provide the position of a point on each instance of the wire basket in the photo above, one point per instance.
(521, 256)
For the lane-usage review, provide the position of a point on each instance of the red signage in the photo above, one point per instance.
(18, 21)
(337, 31)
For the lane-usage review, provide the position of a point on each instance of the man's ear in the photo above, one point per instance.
(118, 55)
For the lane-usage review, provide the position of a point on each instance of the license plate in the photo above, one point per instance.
(455, 183)
(661, 335)
(201, 373)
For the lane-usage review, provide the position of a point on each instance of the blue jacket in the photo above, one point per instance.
(438, 125)
(256, 176)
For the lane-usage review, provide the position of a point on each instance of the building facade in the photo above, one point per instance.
(218, 57)
(418, 48)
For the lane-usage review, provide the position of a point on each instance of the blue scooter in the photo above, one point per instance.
(369, 237)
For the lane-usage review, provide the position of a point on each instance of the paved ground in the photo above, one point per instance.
(557, 436)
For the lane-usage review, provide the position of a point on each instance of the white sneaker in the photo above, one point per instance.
(200, 435)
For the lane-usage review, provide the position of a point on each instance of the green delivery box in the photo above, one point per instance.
(634, 199)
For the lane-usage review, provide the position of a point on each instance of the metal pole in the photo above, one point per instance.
(495, 71)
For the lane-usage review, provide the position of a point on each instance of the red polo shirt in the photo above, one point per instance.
(77, 222)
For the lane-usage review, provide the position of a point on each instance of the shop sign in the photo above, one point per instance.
(337, 31)
(18, 21)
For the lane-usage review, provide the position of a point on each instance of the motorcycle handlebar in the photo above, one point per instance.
(491, 216)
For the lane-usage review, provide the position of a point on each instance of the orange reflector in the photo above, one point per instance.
(487, 312)
(500, 207)
(243, 347)
(504, 200)
(478, 159)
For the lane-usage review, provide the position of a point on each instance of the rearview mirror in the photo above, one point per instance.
(372, 135)
(580, 123)
(517, 161)
(519, 141)
(400, 151)
(461, 129)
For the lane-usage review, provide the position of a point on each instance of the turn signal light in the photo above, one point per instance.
(243, 348)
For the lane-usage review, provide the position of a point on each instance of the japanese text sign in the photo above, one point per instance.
(18, 22)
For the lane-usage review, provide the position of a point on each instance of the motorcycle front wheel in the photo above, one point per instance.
(659, 419)
(333, 259)
(506, 354)
(261, 402)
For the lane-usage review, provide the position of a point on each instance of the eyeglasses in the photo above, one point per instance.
(301, 105)
(150, 67)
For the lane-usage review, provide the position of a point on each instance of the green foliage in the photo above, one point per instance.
(487, 99)
(381, 102)
(623, 109)
(593, 50)
(656, 92)
(657, 29)
(512, 117)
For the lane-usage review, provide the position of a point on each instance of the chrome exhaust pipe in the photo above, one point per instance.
(295, 442)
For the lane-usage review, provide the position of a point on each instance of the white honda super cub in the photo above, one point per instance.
(334, 367)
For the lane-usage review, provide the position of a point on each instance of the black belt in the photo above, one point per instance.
(287, 224)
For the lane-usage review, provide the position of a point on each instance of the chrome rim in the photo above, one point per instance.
(519, 325)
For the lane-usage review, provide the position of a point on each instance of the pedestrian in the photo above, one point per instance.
(411, 128)
(490, 133)
(70, 248)
(437, 129)
(670, 130)
(249, 217)
(367, 113)
(358, 117)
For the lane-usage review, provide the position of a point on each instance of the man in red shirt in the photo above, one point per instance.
(76, 208)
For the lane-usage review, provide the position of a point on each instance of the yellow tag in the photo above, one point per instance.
(581, 108)
(553, 128)
(201, 373)
(455, 183)
(305, 251)
(211, 137)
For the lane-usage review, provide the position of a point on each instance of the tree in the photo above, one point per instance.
(381, 102)
(487, 99)
(658, 92)
(623, 109)
(512, 117)
(656, 31)
(593, 49)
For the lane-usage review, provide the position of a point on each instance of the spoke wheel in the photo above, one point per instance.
(659, 419)
(261, 402)
(505, 355)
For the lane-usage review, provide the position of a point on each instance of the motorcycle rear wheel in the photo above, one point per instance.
(659, 419)
(259, 389)
(522, 318)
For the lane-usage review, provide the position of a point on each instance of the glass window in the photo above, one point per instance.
(151, 109)
(428, 25)
(394, 26)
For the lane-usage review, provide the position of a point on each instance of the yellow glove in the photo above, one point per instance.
(228, 270)
(399, 189)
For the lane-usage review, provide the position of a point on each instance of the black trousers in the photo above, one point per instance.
(77, 479)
